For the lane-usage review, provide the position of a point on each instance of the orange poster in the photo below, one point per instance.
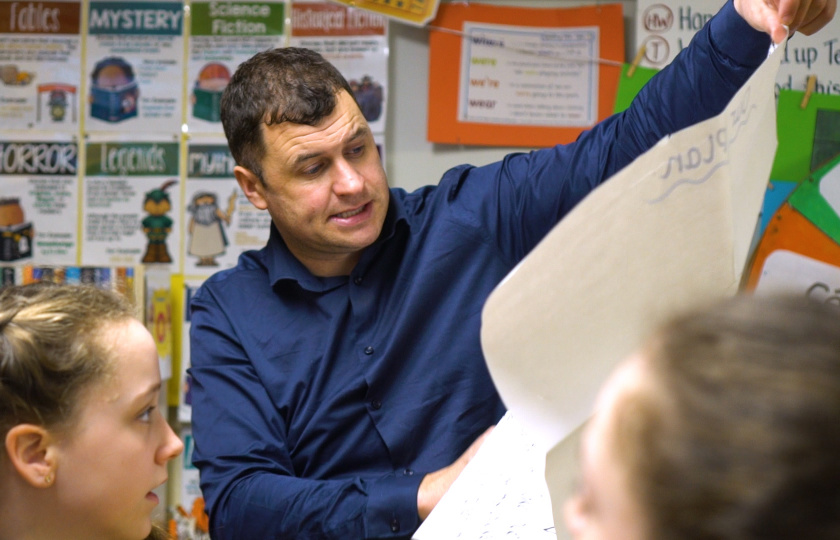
(510, 76)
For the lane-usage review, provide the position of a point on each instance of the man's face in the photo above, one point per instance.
(324, 187)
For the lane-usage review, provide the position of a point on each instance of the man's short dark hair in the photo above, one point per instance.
(276, 85)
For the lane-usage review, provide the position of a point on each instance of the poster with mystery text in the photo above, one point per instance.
(134, 67)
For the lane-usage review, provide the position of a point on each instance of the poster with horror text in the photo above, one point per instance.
(222, 36)
(353, 40)
(40, 65)
(220, 222)
(134, 67)
(38, 200)
(130, 203)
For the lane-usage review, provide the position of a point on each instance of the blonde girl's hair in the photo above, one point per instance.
(50, 349)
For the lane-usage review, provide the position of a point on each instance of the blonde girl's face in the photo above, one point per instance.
(604, 507)
(116, 453)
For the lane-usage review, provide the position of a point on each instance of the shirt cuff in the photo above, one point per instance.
(734, 38)
(392, 506)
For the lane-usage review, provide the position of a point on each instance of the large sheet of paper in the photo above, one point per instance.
(670, 230)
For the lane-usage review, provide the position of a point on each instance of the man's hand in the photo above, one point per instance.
(435, 484)
(771, 16)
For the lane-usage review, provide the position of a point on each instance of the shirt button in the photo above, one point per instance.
(395, 525)
(408, 472)
(376, 404)
(368, 350)
(357, 280)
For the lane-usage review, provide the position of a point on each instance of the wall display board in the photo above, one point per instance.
(38, 200)
(665, 28)
(220, 222)
(131, 202)
(353, 40)
(410, 11)
(522, 76)
(134, 66)
(40, 61)
(222, 36)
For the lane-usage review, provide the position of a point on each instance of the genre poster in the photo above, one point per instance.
(222, 36)
(219, 223)
(356, 42)
(130, 203)
(664, 29)
(38, 201)
(134, 67)
(40, 65)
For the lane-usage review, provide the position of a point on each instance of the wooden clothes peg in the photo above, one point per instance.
(639, 55)
(809, 89)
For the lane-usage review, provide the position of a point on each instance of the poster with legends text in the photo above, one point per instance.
(131, 202)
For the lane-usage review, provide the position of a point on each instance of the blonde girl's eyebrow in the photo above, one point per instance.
(146, 394)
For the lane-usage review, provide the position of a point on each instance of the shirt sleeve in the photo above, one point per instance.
(518, 200)
(246, 471)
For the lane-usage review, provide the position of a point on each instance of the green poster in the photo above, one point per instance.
(628, 87)
(797, 128)
(809, 201)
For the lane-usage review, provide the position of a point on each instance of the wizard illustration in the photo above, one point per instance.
(157, 225)
(207, 234)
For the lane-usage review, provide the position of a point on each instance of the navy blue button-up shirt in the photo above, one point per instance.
(320, 403)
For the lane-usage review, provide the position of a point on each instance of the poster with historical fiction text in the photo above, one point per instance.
(40, 65)
(353, 40)
(131, 202)
(664, 29)
(134, 67)
(39, 196)
(220, 222)
(222, 36)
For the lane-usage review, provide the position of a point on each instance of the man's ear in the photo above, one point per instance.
(252, 186)
(31, 450)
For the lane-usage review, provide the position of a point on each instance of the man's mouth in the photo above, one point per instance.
(351, 213)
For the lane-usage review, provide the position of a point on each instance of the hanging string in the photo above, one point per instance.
(530, 52)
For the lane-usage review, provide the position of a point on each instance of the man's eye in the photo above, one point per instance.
(313, 170)
(356, 150)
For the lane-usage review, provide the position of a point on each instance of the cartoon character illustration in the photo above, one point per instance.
(157, 225)
(15, 233)
(58, 105)
(207, 234)
(114, 92)
(207, 94)
(369, 96)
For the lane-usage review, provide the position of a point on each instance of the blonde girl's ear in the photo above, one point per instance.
(31, 450)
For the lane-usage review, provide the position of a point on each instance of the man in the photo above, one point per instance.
(339, 385)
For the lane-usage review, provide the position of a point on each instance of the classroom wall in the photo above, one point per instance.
(411, 161)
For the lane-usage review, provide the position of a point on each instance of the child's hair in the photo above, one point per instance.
(740, 432)
(50, 349)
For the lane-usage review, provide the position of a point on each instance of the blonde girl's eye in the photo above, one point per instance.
(146, 415)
